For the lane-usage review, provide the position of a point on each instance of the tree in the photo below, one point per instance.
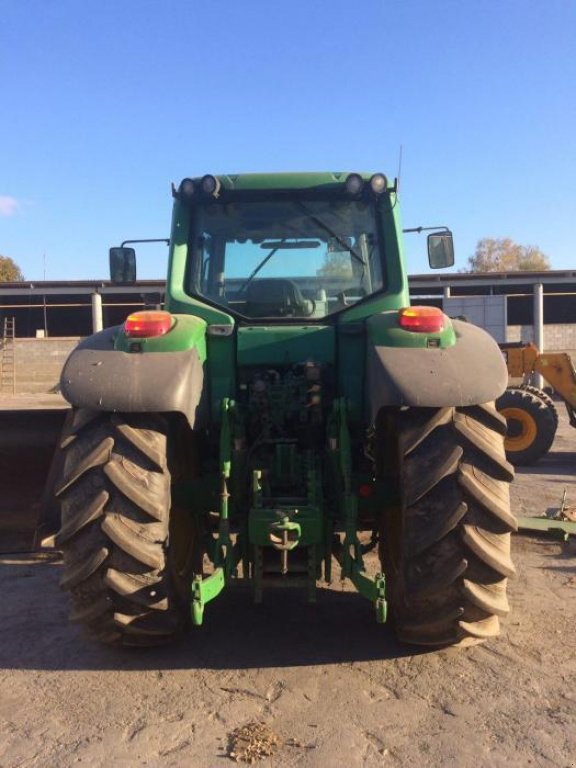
(9, 270)
(336, 264)
(504, 255)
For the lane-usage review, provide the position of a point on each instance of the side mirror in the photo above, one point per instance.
(123, 265)
(440, 250)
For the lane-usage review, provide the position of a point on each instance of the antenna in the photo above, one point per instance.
(399, 170)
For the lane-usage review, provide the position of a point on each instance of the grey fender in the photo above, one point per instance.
(100, 378)
(471, 372)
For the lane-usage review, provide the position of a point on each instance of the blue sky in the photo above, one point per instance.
(104, 104)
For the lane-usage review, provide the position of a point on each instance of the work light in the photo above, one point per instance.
(210, 185)
(378, 183)
(354, 184)
(186, 189)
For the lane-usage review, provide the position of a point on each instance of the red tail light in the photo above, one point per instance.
(146, 324)
(365, 491)
(421, 319)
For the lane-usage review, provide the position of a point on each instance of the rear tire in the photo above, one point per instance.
(531, 425)
(446, 545)
(114, 489)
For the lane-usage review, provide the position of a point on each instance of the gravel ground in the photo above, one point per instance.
(333, 687)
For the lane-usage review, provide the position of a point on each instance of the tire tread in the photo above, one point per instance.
(115, 499)
(451, 552)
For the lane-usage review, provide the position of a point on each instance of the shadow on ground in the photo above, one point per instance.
(284, 631)
(552, 463)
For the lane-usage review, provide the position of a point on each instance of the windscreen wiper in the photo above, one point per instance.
(263, 263)
(326, 228)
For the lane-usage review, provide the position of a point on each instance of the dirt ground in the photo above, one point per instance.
(336, 688)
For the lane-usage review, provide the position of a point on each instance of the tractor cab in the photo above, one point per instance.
(285, 259)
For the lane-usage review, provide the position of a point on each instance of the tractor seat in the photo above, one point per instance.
(275, 297)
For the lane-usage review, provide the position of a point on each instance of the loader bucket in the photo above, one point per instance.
(28, 439)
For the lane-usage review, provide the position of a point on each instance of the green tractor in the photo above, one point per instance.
(287, 412)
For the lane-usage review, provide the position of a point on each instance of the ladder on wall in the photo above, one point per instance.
(7, 361)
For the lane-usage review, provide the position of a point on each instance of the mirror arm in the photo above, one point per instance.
(150, 240)
(427, 229)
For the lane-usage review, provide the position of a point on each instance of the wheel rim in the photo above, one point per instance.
(521, 430)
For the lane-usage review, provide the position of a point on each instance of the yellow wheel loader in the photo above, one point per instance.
(530, 412)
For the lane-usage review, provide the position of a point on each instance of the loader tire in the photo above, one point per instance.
(114, 489)
(546, 399)
(445, 546)
(531, 425)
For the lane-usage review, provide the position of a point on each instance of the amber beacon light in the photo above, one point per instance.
(421, 319)
(148, 323)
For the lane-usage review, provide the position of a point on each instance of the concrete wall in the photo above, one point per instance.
(557, 337)
(38, 363)
(489, 312)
